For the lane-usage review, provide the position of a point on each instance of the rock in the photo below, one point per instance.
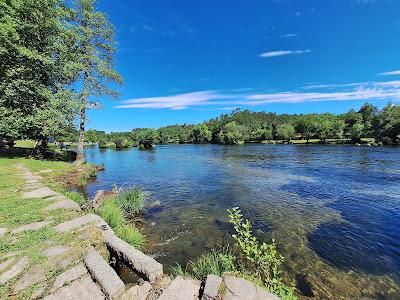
(14, 270)
(181, 289)
(32, 226)
(10, 254)
(69, 276)
(137, 260)
(3, 231)
(98, 199)
(241, 289)
(211, 287)
(138, 292)
(32, 277)
(32, 186)
(104, 275)
(82, 289)
(40, 193)
(6, 264)
(64, 204)
(45, 171)
(54, 251)
(77, 223)
(66, 262)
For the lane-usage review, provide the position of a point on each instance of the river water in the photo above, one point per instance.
(334, 211)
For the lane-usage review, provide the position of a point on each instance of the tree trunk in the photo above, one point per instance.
(80, 158)
(40, 148)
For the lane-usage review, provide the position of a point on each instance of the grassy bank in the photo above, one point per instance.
(16, 211)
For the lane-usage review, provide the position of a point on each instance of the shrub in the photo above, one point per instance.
(112, 214)
(130, 234)
(262, 259)
(75, 196)
(132, 201)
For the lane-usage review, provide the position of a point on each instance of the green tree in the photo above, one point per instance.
(35, 70)
(95, 48)
(232, 133)
(387, 125)
(368, 113)
(285, 132)
(201, 134)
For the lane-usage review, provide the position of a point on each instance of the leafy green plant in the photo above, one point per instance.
(262, 258)
(130, 234)
(132, 201)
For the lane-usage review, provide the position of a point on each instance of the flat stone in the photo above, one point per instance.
(211, 287)
(66, 262)
(45, 171)
(30, 227)
(54, 251)
(40, 193)
(10, 254)
(39, 292)
(3, 231)
(138, 292)
(69, 276)
(64, 204)
(104, 275)
(181, 289)
(6, 264)
(14, 270)
(82, 289)
(77, 223)
(31, 277)
(137, 260)
(32, 186)
(241, 289)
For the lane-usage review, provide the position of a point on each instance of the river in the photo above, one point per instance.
(334, 211)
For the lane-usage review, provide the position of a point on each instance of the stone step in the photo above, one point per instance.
(30, 227)
(241, 289)
(69, 276)
(132, 257)
(64, 204)
(82, 289)
(181, 289)
(14, 270)
(104, 275)
(77, 223)
(211, 287)
(137, 292)
(42, 192)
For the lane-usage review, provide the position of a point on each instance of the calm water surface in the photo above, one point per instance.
(333, 210)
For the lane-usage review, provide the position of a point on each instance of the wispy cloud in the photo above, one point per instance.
(397, 72)
(180, 101)
(217, 100)
(289, 35)
(283, 52)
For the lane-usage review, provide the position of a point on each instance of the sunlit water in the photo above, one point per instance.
(333, 210)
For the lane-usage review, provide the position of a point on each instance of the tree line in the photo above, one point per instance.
(56, 60)
(245, 126)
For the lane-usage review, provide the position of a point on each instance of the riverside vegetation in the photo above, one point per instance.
(367, 125)
(255, 261)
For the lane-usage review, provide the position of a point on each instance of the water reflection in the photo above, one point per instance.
(334, 210)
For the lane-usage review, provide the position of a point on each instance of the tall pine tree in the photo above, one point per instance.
(95, 59)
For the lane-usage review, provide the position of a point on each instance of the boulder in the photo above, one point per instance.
(181, 289)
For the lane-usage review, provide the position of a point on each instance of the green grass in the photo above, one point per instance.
(112, 214)
(16, 211)
(131, 201)
(77, 197)
(130, 234)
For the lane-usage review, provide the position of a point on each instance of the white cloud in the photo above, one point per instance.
(289, 35)
(215, 100)
(283, 52)
(397, 72)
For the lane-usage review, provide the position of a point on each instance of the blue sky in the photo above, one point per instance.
(185, 61)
